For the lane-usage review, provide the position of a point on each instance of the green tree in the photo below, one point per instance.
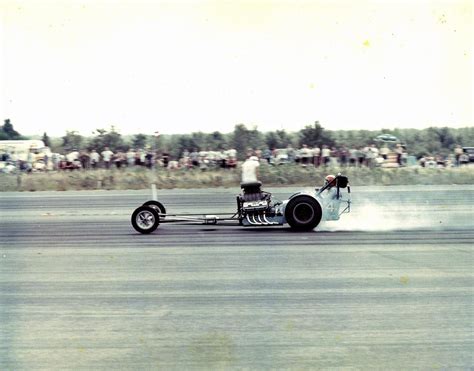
(243, 139)
(445, 137)
(186, 142)
(178, 143)
(464, 136)
(72, 140)
(8, 132)
(199, 140)
(139, 141)
(111, 139)
(278, 139)
(46, 140)
(257, 139)
(315, 135)
(240, 139)
(272, 140)
(216, 141)
(284, 138)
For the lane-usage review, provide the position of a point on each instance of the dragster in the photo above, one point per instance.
(302, 211)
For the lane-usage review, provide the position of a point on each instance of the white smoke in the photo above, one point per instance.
(376, 217)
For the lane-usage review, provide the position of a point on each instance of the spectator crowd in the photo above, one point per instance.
(325, 156)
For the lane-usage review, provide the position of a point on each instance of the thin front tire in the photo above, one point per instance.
(145, 219)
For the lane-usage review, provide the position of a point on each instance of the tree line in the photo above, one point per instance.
(419, 142)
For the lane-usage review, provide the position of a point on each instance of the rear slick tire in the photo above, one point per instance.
(303, 213)
(145, 219)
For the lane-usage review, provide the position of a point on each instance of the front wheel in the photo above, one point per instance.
(303, 213)
(145, 219)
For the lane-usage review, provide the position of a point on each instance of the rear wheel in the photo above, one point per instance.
(157, 205)
(303, 213)
(145, 219)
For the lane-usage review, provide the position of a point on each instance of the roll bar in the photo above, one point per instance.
(340, 181)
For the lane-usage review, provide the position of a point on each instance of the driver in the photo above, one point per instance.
(330, 182)
(329, 179)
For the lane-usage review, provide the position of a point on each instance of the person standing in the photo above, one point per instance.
(457, 154)
(267, 155)
(343, 156)
(185, 159)
(373, 154)
(290, 151)
(325, 155)
(130, 157)
(224, 157)
(84, 158)
(149, 159)
(360, 156)
(119, 159)
(231, 158)
(165, 158)
(30, 160)
(353, 156)
(384, 151)
(399, 152)
(304, 155)
(95, 159)
(316, 156)
(194, 156)
(55, 159)
(107, 157)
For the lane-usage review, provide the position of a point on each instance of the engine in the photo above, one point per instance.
(254, 205)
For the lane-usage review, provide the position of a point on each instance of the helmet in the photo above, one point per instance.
(329, 179)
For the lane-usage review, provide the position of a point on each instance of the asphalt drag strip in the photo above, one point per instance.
(389, 286)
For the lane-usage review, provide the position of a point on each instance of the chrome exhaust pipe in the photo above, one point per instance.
(252, 220)
(268, 221)
(261, 221)
(255, 221)
(248, 219)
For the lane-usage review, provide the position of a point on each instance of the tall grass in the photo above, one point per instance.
(139, 178)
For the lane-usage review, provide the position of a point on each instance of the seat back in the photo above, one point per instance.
(342, 181)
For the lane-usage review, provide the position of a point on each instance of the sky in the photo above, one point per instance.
(185, 66)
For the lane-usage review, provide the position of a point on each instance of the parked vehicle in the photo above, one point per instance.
(470, 152)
